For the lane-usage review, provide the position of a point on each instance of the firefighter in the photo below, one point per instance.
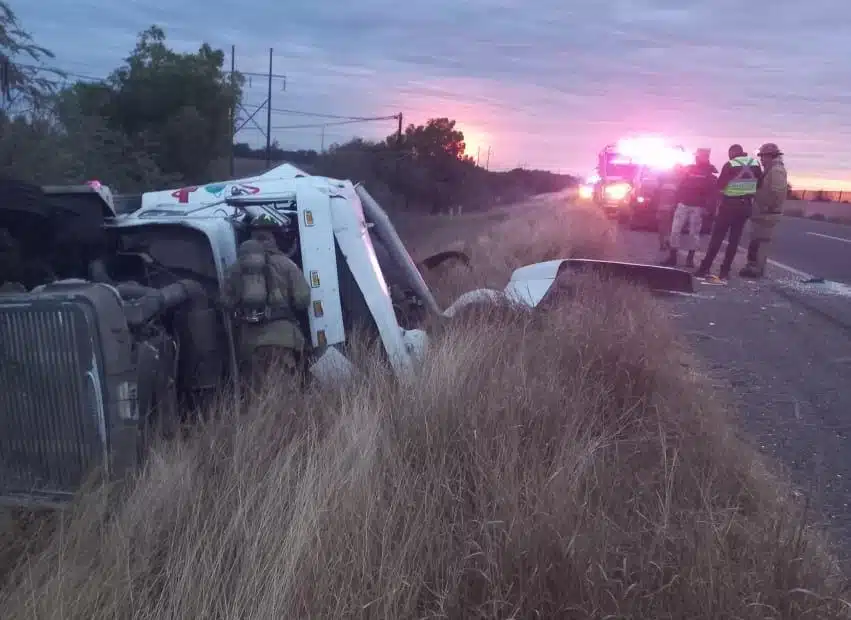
(267, 292)
(768, 207)
(737, 183)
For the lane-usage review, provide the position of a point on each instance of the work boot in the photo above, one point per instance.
(671, 261)
(702, 271)
(753, 252)
(690, 259)
(724, 274)
(750, 272)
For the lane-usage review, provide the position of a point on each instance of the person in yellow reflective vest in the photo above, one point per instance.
(737, 184)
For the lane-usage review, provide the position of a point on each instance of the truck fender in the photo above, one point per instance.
(530, 284)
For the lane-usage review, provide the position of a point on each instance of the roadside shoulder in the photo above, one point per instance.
(781, 346)
(788, 366)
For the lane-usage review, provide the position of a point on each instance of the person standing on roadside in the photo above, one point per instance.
(768, 207)
(738, 183)
(696, 196)
(665, 207)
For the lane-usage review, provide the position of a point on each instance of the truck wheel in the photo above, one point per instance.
(20, 194)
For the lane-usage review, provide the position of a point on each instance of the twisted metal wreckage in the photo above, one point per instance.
(129, 334)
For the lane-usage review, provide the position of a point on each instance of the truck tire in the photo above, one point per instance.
(19, 196)
(19, 193)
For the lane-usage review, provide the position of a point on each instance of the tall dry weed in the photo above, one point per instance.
(543, 232)
(565, 464)
(559, 465)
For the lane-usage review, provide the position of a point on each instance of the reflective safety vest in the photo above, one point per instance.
(744, 183)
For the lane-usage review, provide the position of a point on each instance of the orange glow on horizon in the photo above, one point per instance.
(475, 143)
(815, 183)
(529, 126)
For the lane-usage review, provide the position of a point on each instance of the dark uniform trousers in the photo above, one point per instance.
(733, 214)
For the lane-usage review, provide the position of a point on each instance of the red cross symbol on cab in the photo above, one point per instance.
(182, 194)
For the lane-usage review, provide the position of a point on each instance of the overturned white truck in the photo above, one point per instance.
(116, 324)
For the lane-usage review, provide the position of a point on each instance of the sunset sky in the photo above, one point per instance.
(543, 83)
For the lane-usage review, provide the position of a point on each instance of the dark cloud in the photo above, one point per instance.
(543, 83)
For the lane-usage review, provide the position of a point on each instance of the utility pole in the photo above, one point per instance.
(233, 106)
(478, 152)
(488, 161)
(322, 143)
(398, 145)
(5, 79)
(399, 158)
(269, 117)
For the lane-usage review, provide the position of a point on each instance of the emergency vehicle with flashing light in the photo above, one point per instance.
(630, 174)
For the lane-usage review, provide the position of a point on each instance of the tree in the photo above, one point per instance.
(23, 85)
(176, 106)
(436, 139)
(42, 137)
(434, 168)
(41, 150)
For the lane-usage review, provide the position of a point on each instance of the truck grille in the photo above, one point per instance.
(50, 416)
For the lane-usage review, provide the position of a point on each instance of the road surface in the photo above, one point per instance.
(817, 248)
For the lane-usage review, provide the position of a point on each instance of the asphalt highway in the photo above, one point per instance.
(820, 249)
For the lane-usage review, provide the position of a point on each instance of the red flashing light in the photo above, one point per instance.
(653, 152)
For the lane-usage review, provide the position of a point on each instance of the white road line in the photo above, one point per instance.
(796, 272)
(829, 237)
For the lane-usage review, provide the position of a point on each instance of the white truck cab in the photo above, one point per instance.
(335, 251)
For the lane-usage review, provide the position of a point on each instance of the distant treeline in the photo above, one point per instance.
(820, 195)
(428, 171)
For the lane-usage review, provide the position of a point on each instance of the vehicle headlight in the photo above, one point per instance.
(617, 191)
(586, 191)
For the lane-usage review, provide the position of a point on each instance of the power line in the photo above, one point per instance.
(352, 121)
(80, 76)
(103, 79)
(315, 114)
(332, 116)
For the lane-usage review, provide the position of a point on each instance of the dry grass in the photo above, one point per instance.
(562, 465)
(537, 233)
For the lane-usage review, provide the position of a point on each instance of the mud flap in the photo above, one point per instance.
(438, 259)
(654, 277)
